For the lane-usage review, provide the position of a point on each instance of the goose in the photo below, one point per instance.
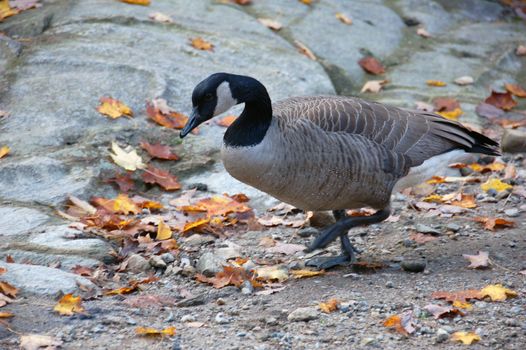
(330, 153)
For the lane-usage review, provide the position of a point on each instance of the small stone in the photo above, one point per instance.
(322, 219)
(169, 318)
(308, 231)
(188, 270)
(513, 141)
(198, 240)
(198, 186)
(271, 321)
(220, 301)
(442, 335)
(453, 227)
(131, 321)
(136, 263)
(511, 322)
(512, 212)
(413, 265)
(221, 318)
(426, 229)
(209, 264)
(464, 80)
(389, 284)
(188, 318)
(168, 258)
(303, 314)
(296, 265)
(247, 288)
(157, 262)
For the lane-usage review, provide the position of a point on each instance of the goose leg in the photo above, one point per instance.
(339, 229)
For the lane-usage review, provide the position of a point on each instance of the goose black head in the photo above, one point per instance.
(211, 97)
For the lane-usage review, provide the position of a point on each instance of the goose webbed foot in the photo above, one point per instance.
(327, 262)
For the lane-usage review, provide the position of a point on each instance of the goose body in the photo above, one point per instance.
(330, 152)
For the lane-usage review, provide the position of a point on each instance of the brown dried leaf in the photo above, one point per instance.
(439, 311)
(521, 50)
(479, 261)
(303, 49)
(123, 181)
(462, 296)
(515, 89)
(230, 276)
(8, 289)
(494, 223)
(161, 177)
(158, 111)
(159, 151)
(500, 100)
(423, 33)
(371, 65)
(402, 323)
(343, 18)
(445, 104)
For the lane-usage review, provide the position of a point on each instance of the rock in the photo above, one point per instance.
(16, 220)
(513, 141)
(413, 265)
(209, 264)
(426, 229)
(229, 252)
(157, 262)
(221, 318)
(308, 231)
(137, 264)
(303, 314)
(198, 240)
(41, 280)
(322, 219)
(247, 288)
(188, 318)
(512, 212)
(441, 335)
(168, 258)
(193, 301)
(453, 227)
(389, 284)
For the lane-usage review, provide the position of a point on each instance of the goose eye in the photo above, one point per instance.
(209, 97)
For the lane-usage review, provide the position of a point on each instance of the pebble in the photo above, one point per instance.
(198, 186)
(131, 321)
(389, 284)
(209, 264)
(157, 262)
(271, 321)
(221, 318)
(169, 318)
(136, 263)
(413, 265)
(453, 227)
(168, 258)
(198, 240)
(308, 231)
(303, 314)
(512, 212)
(188, 318)
(247, 288)
(513, 141)
(426, 229)
(442, 335)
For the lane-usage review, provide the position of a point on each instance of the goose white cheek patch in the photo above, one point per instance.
(225, 101)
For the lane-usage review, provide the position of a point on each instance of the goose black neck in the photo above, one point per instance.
(252, 125)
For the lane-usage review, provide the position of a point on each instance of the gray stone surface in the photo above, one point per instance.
(16, 220)
(41, 280)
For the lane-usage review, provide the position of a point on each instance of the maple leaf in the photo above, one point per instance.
(403, 323)
(495, 166)
(163, 231)
(195, 224)
(462, 296)
(227, 121)
(306, 2)
(123, 181)
(306, 273)
(242, 2)
(330, 305)
(82, 270)
(497, 292)
(137, 2)
(371, 65)
(148, 331)
(500, 100)
(445, 104)
(421, 238)
(144, 203)
(6, 10)
(201, 44)
(495, 184)
(465, 201)
(465, 337)
(122, 204)
(270, 23)
(159, 151)
(4, 151)
(343, 18)
(481, 260)
(68, 305)
(37, 341)
(436, 180)
(437, 83)
(158, 111)
(442, 311)
(230, 276)
(132, 286)
(451, 115)
(160, 17)
(304, 50)
(493, 223)
(113, 108)
(161, 177)
(515, 89)
(128, 160)
(217, 206)
(373, 86)
(8, 289)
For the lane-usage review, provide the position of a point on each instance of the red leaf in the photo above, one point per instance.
(371, 65)
(124, 181)
(159, 151)
(162, 178)
(500, 100)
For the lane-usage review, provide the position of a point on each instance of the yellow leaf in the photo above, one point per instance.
(4, 151)
(6, 314)
(434, 198)
(271, 273)
(152, 331)
(343, 18)
(128, 160)
(68, 305)
(191, 225)
(306, 2)
(137, 2)
(435, 83)
(462, 305)
(436, 180)
(306, 273)
(452, 115)
(330, 306)
(495, 184)
(201, 44)
(113, 108)
(163, 231)
(123, 204)
(6, 10)
(465, 337)
(497, 292)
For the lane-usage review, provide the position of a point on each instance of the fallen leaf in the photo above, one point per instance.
(227, 121)
(271, 273)
(230, 276)
(8, 289)
(423, 106)
(270, 23)
(286, 248)
(493, 223)
(6, 10)
(148, 331)
(465, 337)
(515, 89)
(496, 185)
(113, 108)
(68, 305)
(23, 5)
(129, 160)
(371, 65)
(343, 18)
(437, 83)
(158, 111)
(195, 224)
(160, 17)
(451, 115)
(161, 177)
(423, 33)
(436, 180)
(479, 261)
(461, 296)
(330, 305)
(306, 273)
(82, 270)
(124, 181)
(421, 238)
(402, 323)
(465, 201)
(303, 49)
(201, 44)
(521, 50)
(122, 204)
(159, 151)
(464, 80)
(482, 168)
(242, 2)
(373, 86)
(445, 104)
(462, 305)
(6, 315)
(306, 2)
(4, 151)
(137, 2)
(163, 231)
(37, 341)
(488, 111)
(217, 206)
(497, 292)
(443, 311)
(133, 285)
(500, 100)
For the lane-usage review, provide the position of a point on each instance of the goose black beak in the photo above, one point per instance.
(192, 123)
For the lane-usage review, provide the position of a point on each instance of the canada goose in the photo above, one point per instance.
(329, 152)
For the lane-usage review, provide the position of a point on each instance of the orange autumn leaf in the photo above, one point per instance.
(343, 18)
(515, 89)
(6, 314)
(6, 10)
(144, 203)
(201, 44)
(159, 151)
(217, 206)
(437, 83)
(306, 2)
(8, 289)
(165, 116)
(113, 108)
(226, 121)
(500, 100)
(493, 223)
(495, 166)
(436, 180)
(403, 323)
(195, 224)
(371, 65)
(439, 311)
(330, 305)
(122, 290)
(68, 305)
(120, 205)
(162, 178)
(230, 276)
(137, 2)
(465, 201)
(4, 151)
(148, 331)
(306, 273)
(242, 2)
(460, 296)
